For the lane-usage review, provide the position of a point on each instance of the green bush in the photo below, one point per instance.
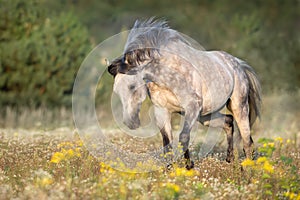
(40, 54)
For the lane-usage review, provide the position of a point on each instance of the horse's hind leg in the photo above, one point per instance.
(219, 120)
(228, 128)
(240, 109)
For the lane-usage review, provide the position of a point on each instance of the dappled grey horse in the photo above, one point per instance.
(178, 77)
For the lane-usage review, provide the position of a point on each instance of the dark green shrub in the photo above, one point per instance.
(39, 54)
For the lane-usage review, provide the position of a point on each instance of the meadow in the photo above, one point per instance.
(53, 163)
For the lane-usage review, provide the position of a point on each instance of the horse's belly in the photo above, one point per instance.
(214, 99)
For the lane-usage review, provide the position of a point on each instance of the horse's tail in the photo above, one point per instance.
(254, 97)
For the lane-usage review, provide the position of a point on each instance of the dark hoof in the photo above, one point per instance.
(255, 155)
(230, 159)
(169, 167)
(190, 165)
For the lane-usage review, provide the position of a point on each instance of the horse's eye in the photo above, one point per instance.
(131, 87)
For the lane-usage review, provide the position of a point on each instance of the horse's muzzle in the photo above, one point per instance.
(132, 124)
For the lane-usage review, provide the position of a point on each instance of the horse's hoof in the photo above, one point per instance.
(190, 165)
(229, 159)
(169, 167)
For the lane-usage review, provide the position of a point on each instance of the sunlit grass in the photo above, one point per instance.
(59, 167)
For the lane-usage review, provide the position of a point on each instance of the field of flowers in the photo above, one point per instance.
(38, 161)
(40, 165)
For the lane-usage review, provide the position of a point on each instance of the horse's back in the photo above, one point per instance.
(216, 79)
(209, 73)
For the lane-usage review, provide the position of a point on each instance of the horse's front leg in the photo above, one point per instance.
(191, 114)
(163, 121)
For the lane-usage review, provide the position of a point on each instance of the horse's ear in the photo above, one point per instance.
(127, 66)
(129, 58)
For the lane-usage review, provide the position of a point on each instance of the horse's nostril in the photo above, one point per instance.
(135, 125)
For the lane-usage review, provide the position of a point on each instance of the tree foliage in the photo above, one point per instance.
(40, 54)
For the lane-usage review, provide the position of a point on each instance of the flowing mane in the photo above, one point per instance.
(144, 42)
(147, 33)
(147, 37)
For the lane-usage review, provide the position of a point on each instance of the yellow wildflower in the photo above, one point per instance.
(271, 144)
(172, 174)
(178, 171)
(287, 194)
(105, 168)
(42, 178)
(268, 167)
(279, 139)
(261, 160)
(104, 180)
(70, 153)
(247, 162)
(44, 181)
(173, 187)
(79, 143)
(77, 152)
(190, 173)
(292, 195)
(265, 145)
(57, 157)
(255, 181)
(65, 144)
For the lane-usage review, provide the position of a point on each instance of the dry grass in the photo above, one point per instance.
(59, 167)
(39, 164)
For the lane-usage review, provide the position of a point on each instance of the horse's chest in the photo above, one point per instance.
(163, 97)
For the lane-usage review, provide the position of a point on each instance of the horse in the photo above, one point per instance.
(179, 78)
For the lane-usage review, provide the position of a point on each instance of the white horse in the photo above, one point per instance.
(180, 78)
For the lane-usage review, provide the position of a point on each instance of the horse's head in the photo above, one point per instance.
(132, 61)
(121, 65)
(132, 92)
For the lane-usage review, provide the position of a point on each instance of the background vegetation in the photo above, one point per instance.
(40, 53)
(42, 43)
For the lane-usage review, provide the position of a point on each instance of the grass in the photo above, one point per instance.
(59, 167)
(38, 163)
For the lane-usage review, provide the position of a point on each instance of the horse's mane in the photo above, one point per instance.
(147, 34)
(147, 37)
(144, 41)
(151, 33)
